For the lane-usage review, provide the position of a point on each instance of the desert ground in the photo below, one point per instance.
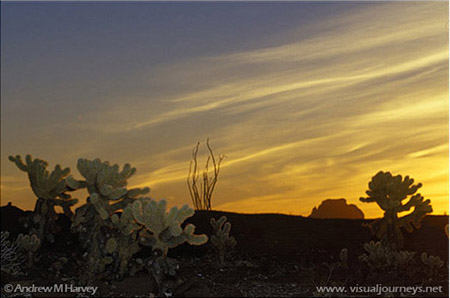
(275, 255)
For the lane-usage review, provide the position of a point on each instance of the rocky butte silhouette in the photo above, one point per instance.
(337, 208)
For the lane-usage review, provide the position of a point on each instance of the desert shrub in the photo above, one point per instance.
(221, 241)
(12, 259)
(19, 254)
(389, 192)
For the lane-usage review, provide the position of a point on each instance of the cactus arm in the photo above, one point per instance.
(415, 218)
(100, 206)
(66, 204)
(19, 163)
(44, 184)
(75, 184)
(136, 192)
(415, 200)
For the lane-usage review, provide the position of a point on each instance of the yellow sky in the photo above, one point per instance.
(302, 119)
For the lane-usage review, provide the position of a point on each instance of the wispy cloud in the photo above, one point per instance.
(313, 117)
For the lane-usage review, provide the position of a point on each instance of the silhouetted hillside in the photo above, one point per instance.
(278, 234)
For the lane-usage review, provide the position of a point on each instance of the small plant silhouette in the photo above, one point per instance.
(221, 240)
(380, 258)
(389, 192)
(432, 263)
(201, 191)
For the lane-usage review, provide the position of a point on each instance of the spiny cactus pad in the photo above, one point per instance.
(162, 229)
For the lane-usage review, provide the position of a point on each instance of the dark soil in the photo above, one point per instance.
(276, 255)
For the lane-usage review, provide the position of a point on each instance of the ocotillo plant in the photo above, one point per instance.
(201, 190)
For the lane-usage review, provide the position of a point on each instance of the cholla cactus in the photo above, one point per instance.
(106, 185)
(433, 263)
(388, 192)
(29, 244)
(161, 229)
(51, 190)
(101, 231)
(377, 257)
(380, 257)
(123, 245)
(221, 239)
(12, 259)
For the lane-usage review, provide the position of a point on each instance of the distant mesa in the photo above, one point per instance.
(337, 208)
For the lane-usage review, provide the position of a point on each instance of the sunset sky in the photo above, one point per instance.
(307, 101)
